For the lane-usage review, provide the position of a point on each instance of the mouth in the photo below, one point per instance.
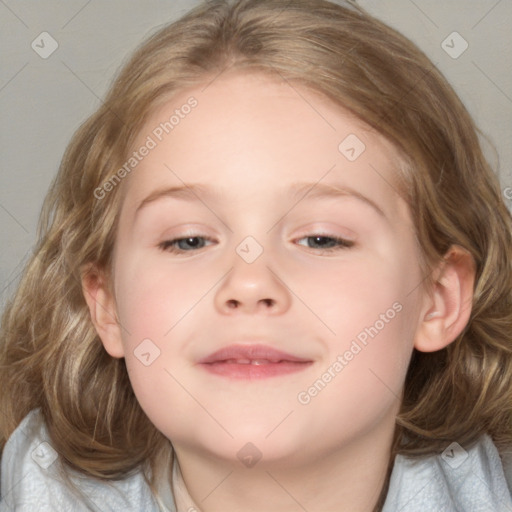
(252, 362)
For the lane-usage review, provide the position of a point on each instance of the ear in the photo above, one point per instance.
(447, 310)
(102, 309)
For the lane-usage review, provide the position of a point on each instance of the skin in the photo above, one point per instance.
(251, 137)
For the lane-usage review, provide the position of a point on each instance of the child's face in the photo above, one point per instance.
(352, 312)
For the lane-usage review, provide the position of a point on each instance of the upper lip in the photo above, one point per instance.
(251, 352)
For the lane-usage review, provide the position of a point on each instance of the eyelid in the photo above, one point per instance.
(342, 243)
(167, 245)
(187, 231)
(335, 232)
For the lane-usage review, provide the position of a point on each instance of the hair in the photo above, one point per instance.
(50, 354)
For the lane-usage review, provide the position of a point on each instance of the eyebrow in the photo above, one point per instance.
(191, 192)
(320, 190)
(195, 192)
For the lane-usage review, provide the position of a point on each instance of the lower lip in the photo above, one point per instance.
(255, 371)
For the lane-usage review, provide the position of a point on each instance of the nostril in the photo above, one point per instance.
(232, 303)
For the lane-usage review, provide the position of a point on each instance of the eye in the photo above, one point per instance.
(193, 243)
(327, 243)
(184, 244)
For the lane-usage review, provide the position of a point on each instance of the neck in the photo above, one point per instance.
(354, 477)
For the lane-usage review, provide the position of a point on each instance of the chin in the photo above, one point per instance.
(252, 446)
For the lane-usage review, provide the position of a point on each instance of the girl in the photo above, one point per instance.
(273, 274)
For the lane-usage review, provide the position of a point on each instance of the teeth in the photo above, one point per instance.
(248, 361)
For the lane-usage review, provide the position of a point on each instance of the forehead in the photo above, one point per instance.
(249, 133)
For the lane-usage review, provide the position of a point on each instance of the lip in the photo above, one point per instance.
(252, 362)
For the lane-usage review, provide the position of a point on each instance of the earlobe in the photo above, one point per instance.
(102, 309)
(448, 309)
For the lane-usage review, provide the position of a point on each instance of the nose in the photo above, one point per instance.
(252, 288)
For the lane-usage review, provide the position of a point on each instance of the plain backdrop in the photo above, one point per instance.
(44, 100)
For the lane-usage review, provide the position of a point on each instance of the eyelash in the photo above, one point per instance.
(170, 245)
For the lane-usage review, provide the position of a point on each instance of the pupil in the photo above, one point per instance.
(188, 243)
(319, 239)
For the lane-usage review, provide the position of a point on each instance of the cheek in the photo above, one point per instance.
(160, 391)
(153, 298)
(350, 295)
(361, 382)
(157, 307)
(365, 312)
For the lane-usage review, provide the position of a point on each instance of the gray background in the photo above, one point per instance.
(43, 101)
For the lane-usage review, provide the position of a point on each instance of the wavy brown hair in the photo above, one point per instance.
(50, 354)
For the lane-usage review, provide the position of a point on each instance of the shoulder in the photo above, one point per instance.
(30, 478)
(476, 478)
(506, 459)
